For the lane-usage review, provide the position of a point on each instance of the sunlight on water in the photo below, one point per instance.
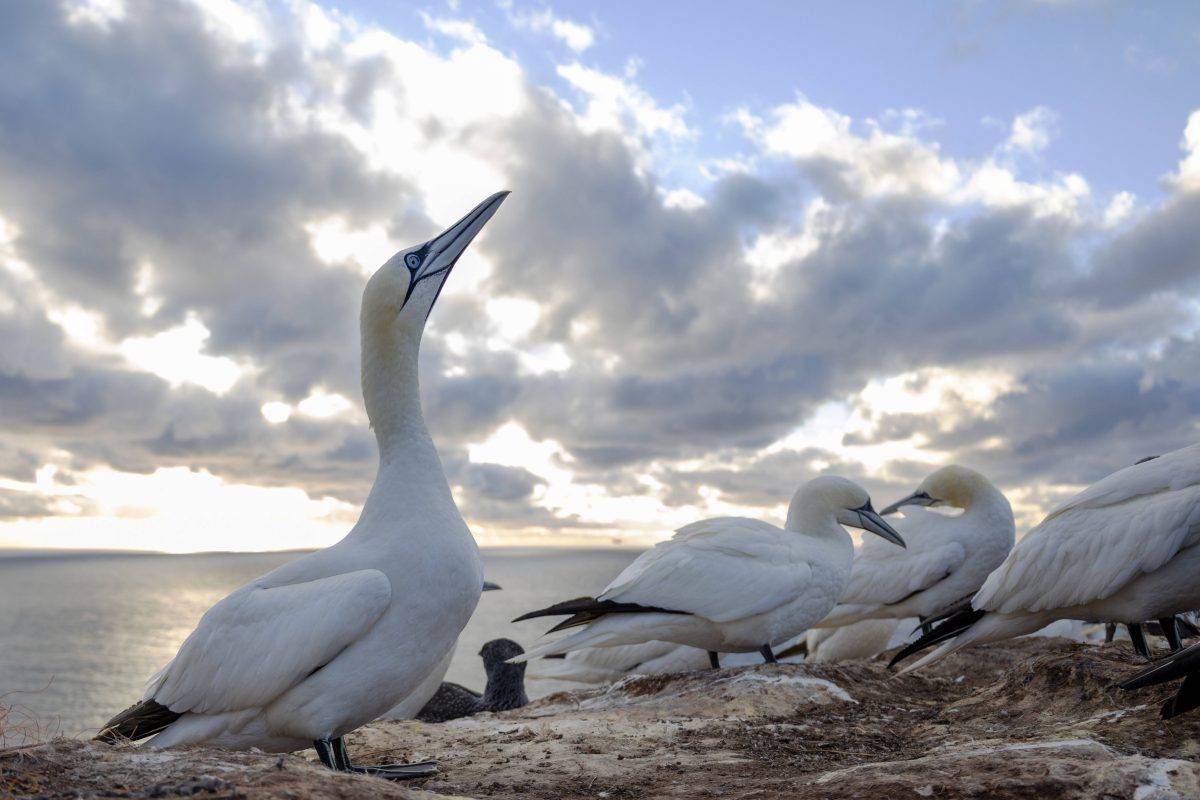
(81, 633)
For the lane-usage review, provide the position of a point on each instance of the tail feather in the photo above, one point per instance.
(1187, 698)
(588, 609)
(1176, 665)
(137, 722)
(951, 627)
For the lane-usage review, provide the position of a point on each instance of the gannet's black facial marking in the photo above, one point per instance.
(413, 262)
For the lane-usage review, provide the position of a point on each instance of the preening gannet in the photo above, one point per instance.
(729, 584)
(505, 687)
(326, 643)
(1183, 664)
(947, 558)
(1126, 549)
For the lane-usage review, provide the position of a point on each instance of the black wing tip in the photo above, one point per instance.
(951, 627)
(566, 607)
(137, 722)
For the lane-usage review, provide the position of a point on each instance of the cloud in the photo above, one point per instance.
(617, 351)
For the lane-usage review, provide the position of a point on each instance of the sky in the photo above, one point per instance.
(744, 248)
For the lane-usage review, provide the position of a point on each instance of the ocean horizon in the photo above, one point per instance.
(82, 630)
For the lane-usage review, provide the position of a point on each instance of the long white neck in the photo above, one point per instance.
(392, 394)
(410, 483)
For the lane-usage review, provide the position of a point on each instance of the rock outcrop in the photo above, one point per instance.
(1025, 719)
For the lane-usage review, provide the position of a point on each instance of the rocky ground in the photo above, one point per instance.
(1033, 718)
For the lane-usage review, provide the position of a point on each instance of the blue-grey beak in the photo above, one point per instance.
(438, 256)
(869, 520)
(915, 499)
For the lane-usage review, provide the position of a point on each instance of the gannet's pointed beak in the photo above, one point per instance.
(917, 498)
(488, 586)
(869, 520)
(439, 255)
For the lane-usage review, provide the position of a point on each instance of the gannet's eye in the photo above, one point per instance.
(412, 261)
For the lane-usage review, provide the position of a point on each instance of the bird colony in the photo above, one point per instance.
(366, 628)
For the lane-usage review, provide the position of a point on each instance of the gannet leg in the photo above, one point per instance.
(1171, 633)
(1110, 630)
(332, 753)
(768, 654)
(1139, 640)
(713, 660)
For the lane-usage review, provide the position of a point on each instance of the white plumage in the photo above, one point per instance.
(947, 558)
(605, 664)
(330, 641)
(737, 585)
(853, 642)
(1127, 549)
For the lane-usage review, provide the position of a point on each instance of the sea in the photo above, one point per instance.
(80, 632)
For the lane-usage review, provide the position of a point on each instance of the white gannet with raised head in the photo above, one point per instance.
(1126, 549)
(730, 584)
(326, 643)
(947, 558)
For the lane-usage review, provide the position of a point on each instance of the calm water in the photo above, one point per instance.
(81, 632)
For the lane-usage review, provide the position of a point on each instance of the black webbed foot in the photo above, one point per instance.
(332, 753)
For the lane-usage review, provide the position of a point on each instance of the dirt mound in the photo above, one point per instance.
(1025, 719)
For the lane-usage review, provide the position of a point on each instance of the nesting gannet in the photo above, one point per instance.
(853, 642)
(729, 584)
(1182, 664)
(1126, 549)
(947, 558)
(505, 687)
(326, 643)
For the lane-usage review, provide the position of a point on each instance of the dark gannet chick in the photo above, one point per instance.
(1126, 549)
(1183, 664)
(505, 687)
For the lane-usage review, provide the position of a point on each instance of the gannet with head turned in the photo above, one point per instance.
(326, 643)
(729, 584)
(947, 559)
(1126, 549)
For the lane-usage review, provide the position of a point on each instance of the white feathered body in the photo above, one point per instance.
(1127, 549)
(605, 664)
(853, 642)
(372, 621)
(743, 582)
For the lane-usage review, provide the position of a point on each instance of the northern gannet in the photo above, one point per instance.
(729, 584)
(505, 688)
(1126, 549)
(1183, 664)
(326, 643)
(947, 558)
